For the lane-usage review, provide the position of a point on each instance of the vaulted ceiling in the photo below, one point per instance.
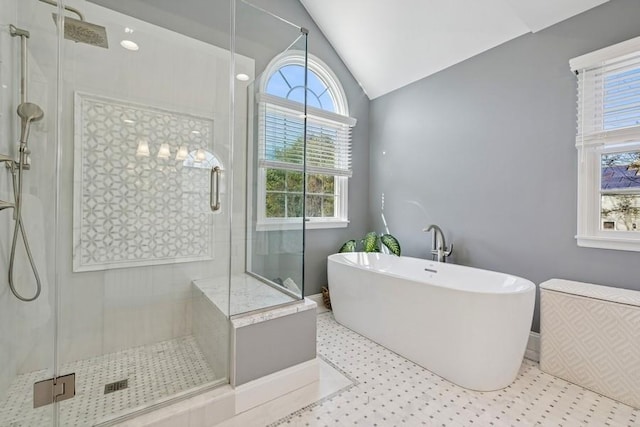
(388, 44)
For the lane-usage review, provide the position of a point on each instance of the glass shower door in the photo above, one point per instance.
(28, 148)
(144, 213)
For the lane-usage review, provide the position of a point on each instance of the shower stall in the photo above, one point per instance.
(129, 147)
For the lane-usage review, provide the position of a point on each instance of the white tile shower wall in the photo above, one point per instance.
(110, 310)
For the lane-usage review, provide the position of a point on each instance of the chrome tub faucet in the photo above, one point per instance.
(438, 245)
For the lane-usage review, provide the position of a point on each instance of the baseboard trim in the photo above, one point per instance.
(262, 390)
(317, 298)
(533, 347)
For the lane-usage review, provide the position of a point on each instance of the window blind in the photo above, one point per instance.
(608, 96)
(281, 123)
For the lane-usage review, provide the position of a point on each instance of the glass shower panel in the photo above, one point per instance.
(272, 273)
(144, 213)
(27, 207)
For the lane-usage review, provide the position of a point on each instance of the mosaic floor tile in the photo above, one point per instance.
(155, 372)
(389, 390)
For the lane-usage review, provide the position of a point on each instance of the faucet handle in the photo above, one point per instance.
(447, 251)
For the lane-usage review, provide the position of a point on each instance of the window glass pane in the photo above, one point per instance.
(314, 206)
(277, 86)
(622, 99)
(620, 212)
(294, 181)
(294, 205)
(284, 140)
(327, 102)
(329, 184)
(315, 85)
(293, 74)
(620, 170)
(297, 95)
(288, 82)
(275, 205)
(314, 184)
(275, 180)
(327, 206)
(320, 146)
(313, 101)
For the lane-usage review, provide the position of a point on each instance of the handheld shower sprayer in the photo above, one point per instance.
(28, 112)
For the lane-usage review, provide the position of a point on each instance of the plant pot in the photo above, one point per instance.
(326, 299)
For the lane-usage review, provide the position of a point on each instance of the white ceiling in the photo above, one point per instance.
(387, 44)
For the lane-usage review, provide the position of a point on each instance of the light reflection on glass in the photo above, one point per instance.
(143, 148)
(164, 152)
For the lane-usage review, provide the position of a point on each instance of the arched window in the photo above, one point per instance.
(282, 152)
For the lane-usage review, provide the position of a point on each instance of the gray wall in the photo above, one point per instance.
(485, 149)
(262, 40)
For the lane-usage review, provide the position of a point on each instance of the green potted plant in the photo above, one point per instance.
(371, 243)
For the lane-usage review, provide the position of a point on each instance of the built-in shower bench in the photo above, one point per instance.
(269, 330)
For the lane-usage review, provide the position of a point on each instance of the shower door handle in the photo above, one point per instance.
(214, 192)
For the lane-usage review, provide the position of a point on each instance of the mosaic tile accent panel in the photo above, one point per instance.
(389, 390)
(591, 342)
(141, 185)
(155, 372)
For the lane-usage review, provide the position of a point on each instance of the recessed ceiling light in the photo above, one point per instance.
(195, 132)
(128, 30)
(242, 77)
(129, 45)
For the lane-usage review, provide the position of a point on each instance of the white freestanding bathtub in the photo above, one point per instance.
(467, 325)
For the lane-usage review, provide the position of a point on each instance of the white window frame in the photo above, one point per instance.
(591, 146)
(341, 183)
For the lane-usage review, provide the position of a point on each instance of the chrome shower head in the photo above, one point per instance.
(81, 31)
(28, 112)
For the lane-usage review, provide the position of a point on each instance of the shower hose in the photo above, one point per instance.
(19, 228)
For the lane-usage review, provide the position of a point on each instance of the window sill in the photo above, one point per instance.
(615, 243)
(297, 225)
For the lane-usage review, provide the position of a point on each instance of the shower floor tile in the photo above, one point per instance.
(154, 372)
(389, 390)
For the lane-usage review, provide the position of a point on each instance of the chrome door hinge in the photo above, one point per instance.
(54, 390)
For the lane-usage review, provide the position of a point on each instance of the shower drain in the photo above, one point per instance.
(115, 386)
